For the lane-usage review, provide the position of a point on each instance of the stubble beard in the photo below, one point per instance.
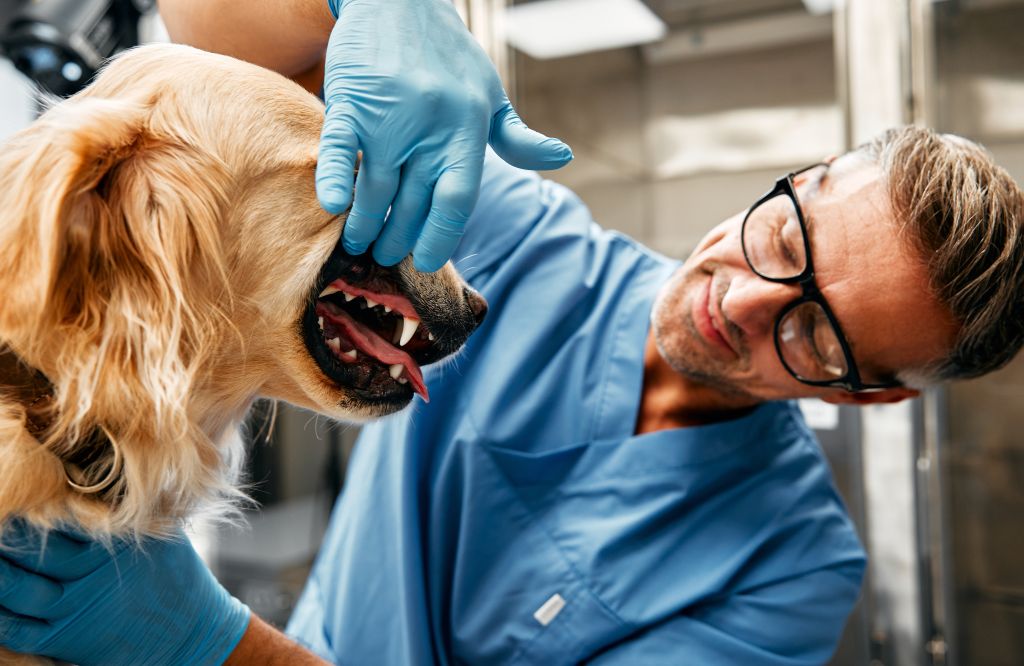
(678, 340)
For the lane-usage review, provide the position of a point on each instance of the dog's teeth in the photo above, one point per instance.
(430, 336)
(328, 291)
(320, 322)
(402, 380)
(409, 327)
(350, 354)
(348, 296)
(396, 370)
(387, 308)
(370, 303)
(334, 344)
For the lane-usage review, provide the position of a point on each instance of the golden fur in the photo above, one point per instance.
(159, 240)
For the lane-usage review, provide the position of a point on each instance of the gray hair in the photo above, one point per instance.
(963, 214)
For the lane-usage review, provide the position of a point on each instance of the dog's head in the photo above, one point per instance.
(164, 261)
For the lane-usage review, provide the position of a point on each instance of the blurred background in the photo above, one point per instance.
(681, 113)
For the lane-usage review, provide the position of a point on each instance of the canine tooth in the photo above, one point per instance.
(396, 370)
(334, 344)
(430, 336)
(350, 353)
(387, 308)
(402, 380)
(348, 296)
(409, 327)
(328, 290)
(320, 322)
(370, 303)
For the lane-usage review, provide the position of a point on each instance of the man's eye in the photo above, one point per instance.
(818, 341)
(787, 235)
(827, 352)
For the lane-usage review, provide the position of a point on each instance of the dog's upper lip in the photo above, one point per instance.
(393, 302)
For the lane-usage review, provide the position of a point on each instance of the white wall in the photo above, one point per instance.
(16, 100)
(665, 150)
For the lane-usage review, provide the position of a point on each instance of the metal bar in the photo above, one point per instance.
(922, 62)
(935, 549)
(486, 22)
(944, 572)
(875, 78)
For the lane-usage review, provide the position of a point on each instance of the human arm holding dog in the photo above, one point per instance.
(263, 644)
(422, 111)
(77, 600)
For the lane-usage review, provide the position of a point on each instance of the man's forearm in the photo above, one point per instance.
(288, 36)
(264, 645)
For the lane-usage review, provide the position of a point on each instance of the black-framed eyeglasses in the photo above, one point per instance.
(809, 341)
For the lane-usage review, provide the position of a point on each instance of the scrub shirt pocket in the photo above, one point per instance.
(617, 528)
(518, 599)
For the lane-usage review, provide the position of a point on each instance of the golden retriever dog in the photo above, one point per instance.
(164, 262)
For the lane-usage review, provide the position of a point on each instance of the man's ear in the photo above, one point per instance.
(885, 396)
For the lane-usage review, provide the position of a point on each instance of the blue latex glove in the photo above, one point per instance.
(406, 83)
(76, 601)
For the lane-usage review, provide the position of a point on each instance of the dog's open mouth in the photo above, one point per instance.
(376, 330)
(365, 334)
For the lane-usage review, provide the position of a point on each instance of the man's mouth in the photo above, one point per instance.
(365, 334)
(707, 323)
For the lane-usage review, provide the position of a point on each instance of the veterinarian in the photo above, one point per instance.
(613, 474)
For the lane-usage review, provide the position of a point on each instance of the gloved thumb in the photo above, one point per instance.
(522, 147)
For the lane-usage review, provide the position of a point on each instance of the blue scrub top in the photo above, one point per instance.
(517, 519)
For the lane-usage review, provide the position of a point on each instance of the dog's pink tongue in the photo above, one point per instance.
(372, 344)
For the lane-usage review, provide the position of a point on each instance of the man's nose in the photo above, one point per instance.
(753, 304)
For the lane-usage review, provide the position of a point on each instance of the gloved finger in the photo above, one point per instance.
(455, 196)
(57, 555)
(336, 162)
(27, 593)
(22, 634)
(376, 185)
(408, 213)
(522, 147)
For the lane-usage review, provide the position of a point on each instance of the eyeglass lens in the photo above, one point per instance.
(774, 239)
(809, 344)
(774, 244)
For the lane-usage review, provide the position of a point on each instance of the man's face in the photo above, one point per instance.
(714, 320)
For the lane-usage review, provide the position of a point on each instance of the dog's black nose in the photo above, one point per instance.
(477, 304)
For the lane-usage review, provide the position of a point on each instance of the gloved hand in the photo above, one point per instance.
(74, 600)
(406, 83)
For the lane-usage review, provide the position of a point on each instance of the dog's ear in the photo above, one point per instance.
(114, 276)
(92, 195)
(44, 171)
